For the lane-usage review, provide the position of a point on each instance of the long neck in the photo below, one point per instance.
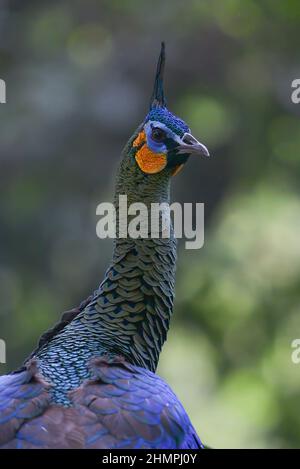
(134, 302)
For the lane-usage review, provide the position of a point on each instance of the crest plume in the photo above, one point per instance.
(158, 97)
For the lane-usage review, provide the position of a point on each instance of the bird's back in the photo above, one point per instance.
(120, 406)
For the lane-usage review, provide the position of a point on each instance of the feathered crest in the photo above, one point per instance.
(158, 97)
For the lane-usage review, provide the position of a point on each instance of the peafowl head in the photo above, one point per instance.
(164, 141)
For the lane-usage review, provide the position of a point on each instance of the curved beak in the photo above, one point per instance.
(189, 144)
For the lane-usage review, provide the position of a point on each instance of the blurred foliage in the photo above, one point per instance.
(79, 76)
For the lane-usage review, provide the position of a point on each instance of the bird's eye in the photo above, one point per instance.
(158, 134)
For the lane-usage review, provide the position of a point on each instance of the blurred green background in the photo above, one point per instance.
(79, 76)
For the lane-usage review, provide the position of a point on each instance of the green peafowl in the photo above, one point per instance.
(91, 381)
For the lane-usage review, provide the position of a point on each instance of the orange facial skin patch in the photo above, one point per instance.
(141, 138)
(149, 161)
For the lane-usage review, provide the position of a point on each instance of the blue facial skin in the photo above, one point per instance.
(174, 128)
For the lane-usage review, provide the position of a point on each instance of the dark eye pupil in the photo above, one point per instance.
(158, 134)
